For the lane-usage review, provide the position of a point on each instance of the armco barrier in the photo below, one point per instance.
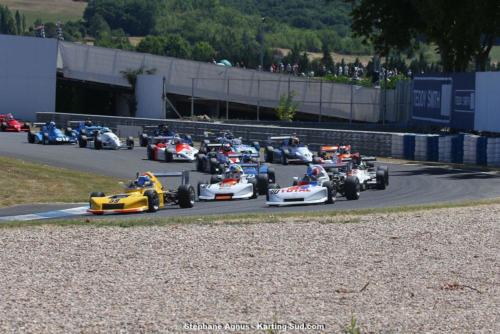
(368, 142)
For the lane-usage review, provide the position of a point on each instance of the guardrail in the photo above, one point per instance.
(462, 148)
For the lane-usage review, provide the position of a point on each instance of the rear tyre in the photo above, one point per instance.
(199, 162)
(262, 183)
(151, 152)
(97, 143)
(213, 164)
(130, 143)
(186, 196)
(153, 200)
(31, 137)
(82, 141)
(386, 174)
(284, 159)
(143, 140)
(380, 179)
(352, 188)
(3, 126)
(269, 154)
(331, 192)
(221, 169)
(169, 157)
(45, 139)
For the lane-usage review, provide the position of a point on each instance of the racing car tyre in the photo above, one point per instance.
(214, 179)
(82, 141)
(198, 188)
(151, 152)
(169, 157)
(262, 183)
(352, 188)
(380, 175)
(186, 196)
(271, 186)
(97, 143)
(221, 168)
(269, 151)
(213, 163)
(386, 174)
(45, 139)
(255, 193)
(143, 140)
(271, 174)
(31, 137)
(199, 162)
(153, 200)
(331, 192)
(3, 126)
(284, 160)
(130, 143)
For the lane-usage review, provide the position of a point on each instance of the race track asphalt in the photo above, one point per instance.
(410, 184)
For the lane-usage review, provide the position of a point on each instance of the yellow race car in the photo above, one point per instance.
(145, 193)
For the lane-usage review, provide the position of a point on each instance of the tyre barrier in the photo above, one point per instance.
(493, 152)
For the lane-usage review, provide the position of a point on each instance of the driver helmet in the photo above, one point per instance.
(88, 123)
(295, 140)
(235, 171)
(52, 124)
(313, 173)
(143, 181)
(177, 140)
(226, 147)
(229, 135)
(246, 158)
(10, 117)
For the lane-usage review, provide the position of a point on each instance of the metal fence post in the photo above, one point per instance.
(352, 102)
(227, 99)
(320, 100)
(258, 99)
(192, 97)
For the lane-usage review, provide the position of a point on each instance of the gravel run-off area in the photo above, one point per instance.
(431, 271)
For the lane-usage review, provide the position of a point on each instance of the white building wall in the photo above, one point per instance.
(148, 91)
(27, 76)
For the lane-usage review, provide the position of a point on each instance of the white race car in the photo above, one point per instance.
(170, 149)
(234, 184)
(314, 188)
(105, 139)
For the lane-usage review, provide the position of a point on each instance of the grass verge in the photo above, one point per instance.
(28, 183)
(326, 217)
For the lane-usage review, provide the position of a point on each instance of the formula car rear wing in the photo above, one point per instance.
(280, 138)
(184, 175)
(363, 158)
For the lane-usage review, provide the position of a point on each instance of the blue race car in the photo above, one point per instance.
(50, 134)
(215, 159)
(288, 150)
(236, 143)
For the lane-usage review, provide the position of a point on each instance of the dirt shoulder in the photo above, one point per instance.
(429, 271)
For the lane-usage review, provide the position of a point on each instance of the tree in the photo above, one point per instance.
(203, 51)
(463, 30)
(176, 46)
(98, 25)
(19, 28)
(326, 59)
(152, 44)
(287, 107)
(7, 23)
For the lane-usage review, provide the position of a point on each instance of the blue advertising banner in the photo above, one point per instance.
(445, 100)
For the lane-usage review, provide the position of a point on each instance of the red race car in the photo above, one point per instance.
(8, 123)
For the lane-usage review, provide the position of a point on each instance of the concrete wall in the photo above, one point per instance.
(27, 76)
(148, 92)
(487, 116)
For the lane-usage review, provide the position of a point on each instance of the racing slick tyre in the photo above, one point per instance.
(31, 137)
(284, 159)
(199, 162)
(213, 165)
(352, 188)
(3, 126)
(82, 141)
(262, 183)
(271, 186)
(214, 179)
(268, 154)
(151, 152)
(153, 200)
(386, 174)
(186, 196)
(221, 169)
(380, 175)
(198, 188)
(143, 140)
(130, 143)
(331, 192)
(271, 174)
(45, 139)
(255, 192)
(169, 157)
(97, 143)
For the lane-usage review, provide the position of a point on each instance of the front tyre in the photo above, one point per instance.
(186, 196)
(331, 192)
(153, 200)
(352, 188)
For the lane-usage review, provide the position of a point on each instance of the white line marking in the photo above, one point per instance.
(49, 214)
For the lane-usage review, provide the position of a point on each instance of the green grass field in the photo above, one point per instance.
(33, 183)
(47, 10)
